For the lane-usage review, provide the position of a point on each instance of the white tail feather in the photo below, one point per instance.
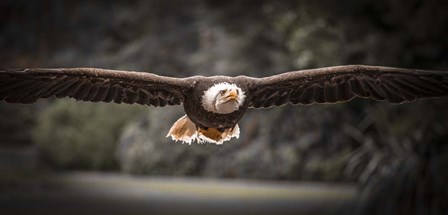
(186, 131)
(183, 130)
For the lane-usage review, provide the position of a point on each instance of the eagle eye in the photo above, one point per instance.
(222, 92)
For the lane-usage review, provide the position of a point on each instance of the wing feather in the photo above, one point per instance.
(143, 97)
(103, 89)
(95, 85)
(343, 83)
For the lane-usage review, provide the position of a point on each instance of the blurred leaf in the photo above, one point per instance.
(82, 135)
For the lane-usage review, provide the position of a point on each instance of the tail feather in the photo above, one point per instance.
(183, 130)
(186, 131)
(215, 136)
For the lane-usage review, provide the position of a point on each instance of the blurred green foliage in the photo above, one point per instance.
(398, 152)
(79, 135)
(16, 122)
(401, 158)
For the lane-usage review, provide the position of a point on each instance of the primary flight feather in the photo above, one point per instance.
(214, 105)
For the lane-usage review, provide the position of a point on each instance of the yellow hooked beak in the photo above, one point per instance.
(233, 95)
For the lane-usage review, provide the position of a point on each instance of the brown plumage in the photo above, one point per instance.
(305, 87)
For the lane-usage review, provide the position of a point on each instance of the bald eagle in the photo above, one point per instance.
(214, 105)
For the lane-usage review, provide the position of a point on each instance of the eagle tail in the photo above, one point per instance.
(186, 131)
(183, 130)
(213, 135)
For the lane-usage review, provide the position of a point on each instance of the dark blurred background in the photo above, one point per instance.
(396, 155)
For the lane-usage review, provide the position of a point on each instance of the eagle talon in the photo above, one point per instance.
(214, 135)
(221, 129)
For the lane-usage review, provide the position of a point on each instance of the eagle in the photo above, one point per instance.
(214, 105)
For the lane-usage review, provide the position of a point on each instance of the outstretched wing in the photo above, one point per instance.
(89, 84)
(343, 83)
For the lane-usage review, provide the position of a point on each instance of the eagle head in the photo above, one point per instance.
(223, 98)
